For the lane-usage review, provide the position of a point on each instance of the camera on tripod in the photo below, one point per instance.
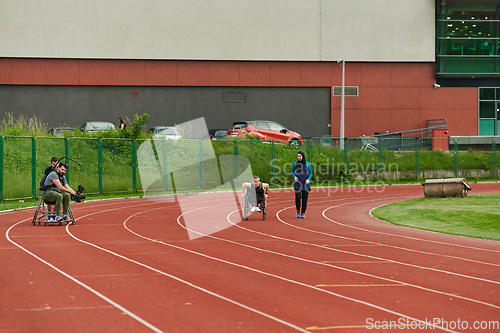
(78, 197)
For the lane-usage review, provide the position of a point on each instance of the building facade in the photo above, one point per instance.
(71, 62)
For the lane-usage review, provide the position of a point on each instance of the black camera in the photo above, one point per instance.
(78, 197)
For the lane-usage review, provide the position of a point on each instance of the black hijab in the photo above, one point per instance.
(301, 165)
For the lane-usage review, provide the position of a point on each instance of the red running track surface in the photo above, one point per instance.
(132, 266)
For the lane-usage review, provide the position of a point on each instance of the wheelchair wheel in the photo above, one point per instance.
(37, 217)
(263, 209)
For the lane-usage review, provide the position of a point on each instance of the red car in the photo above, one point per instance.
(265, 130)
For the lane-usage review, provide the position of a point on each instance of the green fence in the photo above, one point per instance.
(123, 165)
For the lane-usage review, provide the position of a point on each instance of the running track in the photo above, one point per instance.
(129, 266)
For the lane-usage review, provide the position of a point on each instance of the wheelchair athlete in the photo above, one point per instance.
(256, 192)
(56, 189)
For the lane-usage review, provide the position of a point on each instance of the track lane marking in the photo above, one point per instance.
(374, 257)
(184, 281)
(402, 236)
(392, 246)
(337, 267)
(316, 328)
(39, 236)
(350, 245)
(266, 273)
(93, 291)
(362, 285)
(358, 262)
(65, 308)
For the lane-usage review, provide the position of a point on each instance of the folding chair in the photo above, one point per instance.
(369, 142)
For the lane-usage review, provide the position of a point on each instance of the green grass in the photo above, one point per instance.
(475, 216)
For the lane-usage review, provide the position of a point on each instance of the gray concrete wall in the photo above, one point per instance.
(277, 30)
(305, 110)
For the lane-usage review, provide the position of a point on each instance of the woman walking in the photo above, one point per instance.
(122, 124)
(302, 173)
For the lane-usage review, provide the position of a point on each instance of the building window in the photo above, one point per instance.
(489, 111)
(348, 91)
(467, 39)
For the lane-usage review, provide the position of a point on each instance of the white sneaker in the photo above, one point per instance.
(257, 209)
(252, 209)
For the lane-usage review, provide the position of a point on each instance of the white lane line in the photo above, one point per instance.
(95, 292)
(394, 246)
(379, 258)
(266, 273)
(327, 248)
(424, 240)
(269, 274)
(186, 282)
(381, 244)
(408, 237)
(342, 268)
(65, 308)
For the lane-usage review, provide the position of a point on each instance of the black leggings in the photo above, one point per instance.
(304, 195)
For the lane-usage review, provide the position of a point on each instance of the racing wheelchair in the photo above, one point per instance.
(250, 205)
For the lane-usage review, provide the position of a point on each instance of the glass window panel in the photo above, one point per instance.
(487, 93)
(468, 65)
(442, 49)
(467, 9)
(486, 127)
(262, 125)
(455, 46)
(468, 28)
(275, 126)
(498, 93)
(486, 109)
(481, 65)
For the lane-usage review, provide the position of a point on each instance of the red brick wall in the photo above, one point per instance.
(392, 96)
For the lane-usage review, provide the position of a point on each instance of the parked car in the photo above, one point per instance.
(168, 132)
(265, 130)
(59, 131)
(219, 135)
(97, 126)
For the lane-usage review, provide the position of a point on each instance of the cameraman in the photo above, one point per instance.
(53, 165)
(57, 190)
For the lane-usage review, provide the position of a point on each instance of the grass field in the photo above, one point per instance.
(474, 216)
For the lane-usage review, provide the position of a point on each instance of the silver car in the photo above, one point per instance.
(97, 126)
(167, 132)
